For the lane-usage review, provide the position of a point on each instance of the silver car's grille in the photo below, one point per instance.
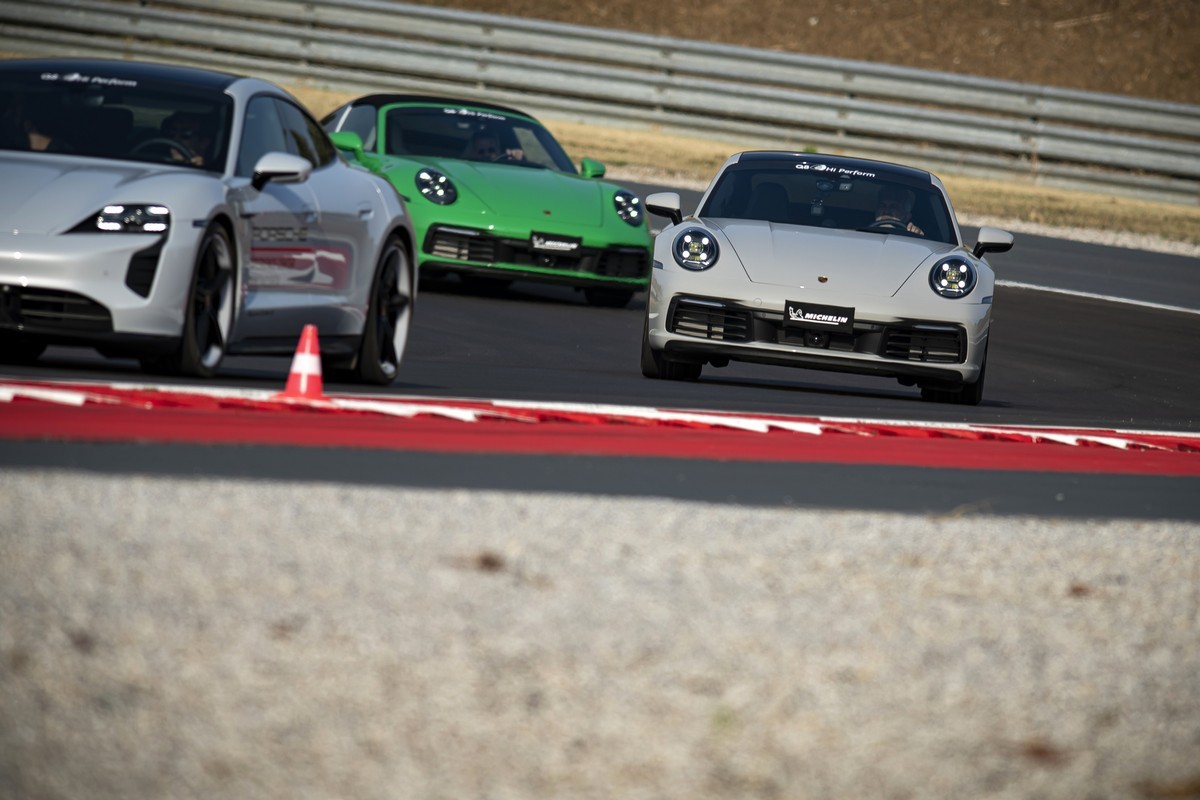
(709, 322)
(461, 244)
(50, 311)
(935, 346)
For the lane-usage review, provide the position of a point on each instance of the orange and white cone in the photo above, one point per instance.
(304, 378)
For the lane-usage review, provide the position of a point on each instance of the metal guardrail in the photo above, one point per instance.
(945, 122)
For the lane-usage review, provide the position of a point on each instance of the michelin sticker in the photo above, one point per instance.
(818, 316)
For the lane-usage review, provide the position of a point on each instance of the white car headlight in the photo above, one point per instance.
(127, 219)
(436, 187)
(695, 248)
(629, 207)
(952, 277)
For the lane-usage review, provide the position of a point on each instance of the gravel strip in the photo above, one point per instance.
(208, 638)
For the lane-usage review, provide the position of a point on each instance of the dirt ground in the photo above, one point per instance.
(1145, 48)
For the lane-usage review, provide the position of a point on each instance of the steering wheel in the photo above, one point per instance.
(889, 224)
(166, 145)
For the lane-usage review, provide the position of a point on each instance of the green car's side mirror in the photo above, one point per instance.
(591, 168)
(348, 140)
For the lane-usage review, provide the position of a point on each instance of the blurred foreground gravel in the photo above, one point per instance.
(164, 638)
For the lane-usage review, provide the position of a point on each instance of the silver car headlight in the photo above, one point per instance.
(953, 277)
(629, 207)
(436, 187)
(695, 248)
(127, 219)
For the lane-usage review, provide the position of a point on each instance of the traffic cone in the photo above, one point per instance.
(304, 378)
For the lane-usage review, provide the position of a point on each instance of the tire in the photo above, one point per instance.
(656, 365)
(607, 298)
(208, 320)
(389, 317)
(969, 394)
(16, 349)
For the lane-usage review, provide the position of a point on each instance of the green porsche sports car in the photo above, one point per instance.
(494, 197)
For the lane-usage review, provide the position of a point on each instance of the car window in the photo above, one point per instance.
(262, 133)
(304, 136)
(473, 134)
(824, 198)
(108, 117)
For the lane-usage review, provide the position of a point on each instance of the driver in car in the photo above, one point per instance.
(191, 131)
(485, 146)
(895, 206)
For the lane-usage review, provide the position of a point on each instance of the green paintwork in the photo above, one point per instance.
(510, 201)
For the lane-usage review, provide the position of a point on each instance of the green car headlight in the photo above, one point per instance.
(695, 248)
(127, 219)
(952, 277)
(629, 207)
(436, 187)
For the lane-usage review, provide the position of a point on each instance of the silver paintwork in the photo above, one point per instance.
(336, 218)
(762, 265)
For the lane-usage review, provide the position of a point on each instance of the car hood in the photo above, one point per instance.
(52, 194)
(530, 192)
(879, 264)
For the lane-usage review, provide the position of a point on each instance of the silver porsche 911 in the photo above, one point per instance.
(177, 215)
(826, 263)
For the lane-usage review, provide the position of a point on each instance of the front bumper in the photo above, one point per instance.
(714, 330)
(92, 288)
(474, 251)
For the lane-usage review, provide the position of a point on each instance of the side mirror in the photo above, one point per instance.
(350, 141)
(665, 204)
(992, 240)
(591, 168)
(280, 168)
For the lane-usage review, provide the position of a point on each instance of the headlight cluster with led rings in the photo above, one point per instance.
(436, 187)
(629, 207)
(952, 277)
(127, 219)
(695, 248)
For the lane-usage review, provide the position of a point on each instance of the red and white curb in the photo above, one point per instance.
(164, 397)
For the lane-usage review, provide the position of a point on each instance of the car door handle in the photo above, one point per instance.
(365, 212)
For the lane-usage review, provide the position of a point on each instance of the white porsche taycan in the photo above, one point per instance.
(822, 262)
(177, 215)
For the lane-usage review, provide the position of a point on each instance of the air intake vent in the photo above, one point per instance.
(623, 264)
(710, 322)
(455, 246)
(51, 311)
(931, 346)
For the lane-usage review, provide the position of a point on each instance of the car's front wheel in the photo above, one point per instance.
(389, 316)
(16, 349)
(657, 365)
(208, 320)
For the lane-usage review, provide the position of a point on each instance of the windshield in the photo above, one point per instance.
(113, 118)
(870, 200)
(476, 135)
